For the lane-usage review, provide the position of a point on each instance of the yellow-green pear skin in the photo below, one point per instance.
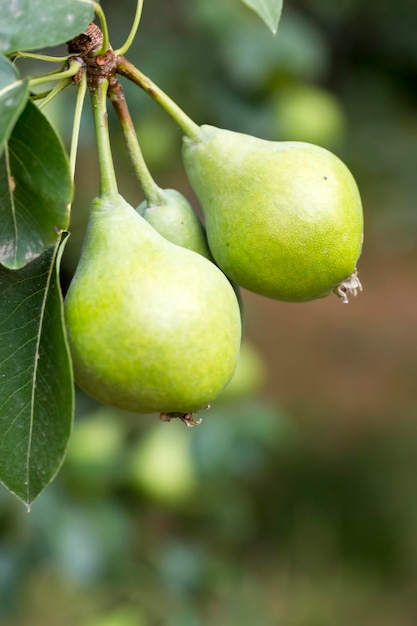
(175, 219)
(152, 327)
(283, 219)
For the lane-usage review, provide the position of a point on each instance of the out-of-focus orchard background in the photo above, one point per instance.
(294, 503)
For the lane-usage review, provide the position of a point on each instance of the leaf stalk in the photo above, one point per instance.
(104, 29)
(82, 88)
(50, 95)
(123, 49)
(73, 68)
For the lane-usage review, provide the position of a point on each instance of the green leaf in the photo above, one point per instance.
(14, 93)
(268, 10)
(32, 24)
(35, 190)
(36, 383)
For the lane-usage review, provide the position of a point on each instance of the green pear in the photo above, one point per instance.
(283, 219)
(175, 219)
(306, 112)
(152, 327)
(249, 375)
(162, 464)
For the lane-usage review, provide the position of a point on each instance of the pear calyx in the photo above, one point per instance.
(351, 285)
(188, 418)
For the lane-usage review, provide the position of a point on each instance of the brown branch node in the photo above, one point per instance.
(85, 46)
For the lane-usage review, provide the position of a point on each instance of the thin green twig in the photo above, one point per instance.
(47, 78)
(52, 72)
(50, 95)
(41, 57)
(123, 49)
(40, 95)
(82, 88)
(104, 29)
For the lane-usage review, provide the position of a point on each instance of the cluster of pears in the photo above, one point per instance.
(153, 311)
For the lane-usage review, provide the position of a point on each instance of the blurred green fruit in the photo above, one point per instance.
(97, 439)
(162, 465)
(126, 616)
(308, 113)
(159, 139)
(249, 375)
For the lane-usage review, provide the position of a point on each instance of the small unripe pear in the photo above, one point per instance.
(162, 465)
(152, 327)
(175, 219)
(283, 219)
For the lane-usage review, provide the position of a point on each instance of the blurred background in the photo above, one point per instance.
(294, 502)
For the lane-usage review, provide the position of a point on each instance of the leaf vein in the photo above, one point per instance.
(36, 366)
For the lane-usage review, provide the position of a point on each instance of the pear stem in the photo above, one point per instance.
(125, 68)
(98, 92)
(150, 188)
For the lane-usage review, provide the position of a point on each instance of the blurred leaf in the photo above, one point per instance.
(181, 563)
(35, 376)
(257, 61)
(83, 540)
(13, 95)
(35, 190)
(268, 10)
(30, 24)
